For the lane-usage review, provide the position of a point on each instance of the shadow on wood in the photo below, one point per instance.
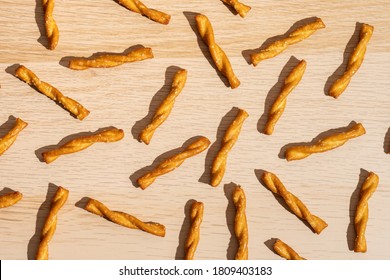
(386, 142)
(40, 21)
(230, 217)
(185, 228)
(270, 244)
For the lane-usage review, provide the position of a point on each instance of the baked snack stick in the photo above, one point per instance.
(75, 108)
(165, 107)
(49, 227)
(51, 27)
(229, 139)
(297, 207)
(192, 241)
(279, 105)
(8, 139)
(171, 163)
(240, 223)
(110, 60)
(354, 62)
(285, 251)
(361, 215)
(218, 55)
(294, 37)
(83, 142)
(328, 143)
(123, 219)
(138, 7)
(10, 199)
(239, 7)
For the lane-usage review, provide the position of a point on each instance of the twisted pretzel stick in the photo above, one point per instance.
(229, 139)
(240, 223)
(110, 60)
(7, 141)
(218, 55)
(294, 37)
(328, 143)
(193, 235)
(297, 207)
(170, 164)
(139, 7)
(75, 108)
(49, 227)
(279, 105)
(51, 27)
(361, 215)
(354, 62)
(10, 199)
(285, 251)
(165, 107)
(124, 219)
(240, 8)
(83, 142)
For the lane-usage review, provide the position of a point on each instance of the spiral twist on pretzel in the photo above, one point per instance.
(239, 7)
(240, 223)
(10, 199)
(297, 207)
(192, 241)
(361, 215)
(51, 27)
(285, 251)
(49, 227)
(218, 55)
(354, 62)
(124, 219)
(165, 107)
(294, 37)
(8, 139)
(138, 7)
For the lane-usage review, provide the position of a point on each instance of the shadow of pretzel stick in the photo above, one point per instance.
(230, 217)
(386, 142)
(185, 229)
(270, 244)
(6, 190)
(7, 126)
(11, 69)
(40, 21)
(82, 202)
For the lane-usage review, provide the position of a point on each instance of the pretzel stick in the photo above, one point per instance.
(51, 27)
(165, 107)
(354, 62)
(8, 139)
(294, 37)
(138, 7)
(83, 142)
(171, 163)
(240, 223)
(49, 227)
(328, 143)
(297, 207)
(10, 199)
(229, 139)
(124, 219)
(110, 60)
(285, 251)
(218, 55)
(361, 215)
(192, 241)
(240, 8)
(279, 105)
(75, 108)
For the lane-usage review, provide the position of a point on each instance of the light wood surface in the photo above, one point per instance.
(126, 97)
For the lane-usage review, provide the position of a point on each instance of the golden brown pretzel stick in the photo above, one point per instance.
(239, 7)
(354, 62)
(192, 241)
(10, 199)
(124, 219)
(328, 143)
(279, 105)
(83, 142)
(51, 27)
(165, 107)
(8, 139)
(54, 94)
(229, 139)
(294, 37)
(138, 7)
(240, 223)
(297, 207)
(110, 60)
(170, 164)
(218, 55)
(361, 215)
(49, 227)
(285, 251)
